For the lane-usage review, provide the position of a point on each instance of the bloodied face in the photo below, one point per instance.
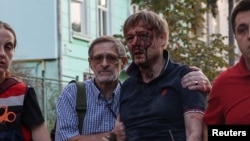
(143, 46)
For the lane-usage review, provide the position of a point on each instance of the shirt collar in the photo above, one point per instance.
(98, 94)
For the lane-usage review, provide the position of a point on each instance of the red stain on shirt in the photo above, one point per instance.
(164, 92)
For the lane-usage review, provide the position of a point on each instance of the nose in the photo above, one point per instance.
(248, 33)
(104, 61)
(2, 51)
(134, 41)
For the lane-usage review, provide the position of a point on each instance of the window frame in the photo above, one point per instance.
(103, 17)
(84, 14)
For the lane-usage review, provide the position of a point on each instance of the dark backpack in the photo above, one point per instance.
(81, 107)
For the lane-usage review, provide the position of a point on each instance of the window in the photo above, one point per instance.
(135, 8)
(102, 17)
(78, 17)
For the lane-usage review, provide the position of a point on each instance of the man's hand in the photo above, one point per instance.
(119, 130)
(196, 80)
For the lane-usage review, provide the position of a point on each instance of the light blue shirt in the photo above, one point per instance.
(98, 119)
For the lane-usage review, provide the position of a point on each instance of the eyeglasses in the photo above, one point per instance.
(111, 59)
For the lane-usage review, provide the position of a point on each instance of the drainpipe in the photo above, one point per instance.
(44, 96)
(208, 27)
(59, 34)
(230, 33)
(43, 92)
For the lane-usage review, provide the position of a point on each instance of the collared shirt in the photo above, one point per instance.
(230, 97)
(155, 110)
(99, 117)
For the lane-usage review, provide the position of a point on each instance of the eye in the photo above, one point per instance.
(143, 35)
(9, 47)
(242, 29)
(129, 38)
(97, 57)
(111, 57)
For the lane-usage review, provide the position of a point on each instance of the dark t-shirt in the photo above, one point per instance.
(32, 114)
(23, 102)
(154, 111)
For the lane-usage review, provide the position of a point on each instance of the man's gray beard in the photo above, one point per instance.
(107, 79)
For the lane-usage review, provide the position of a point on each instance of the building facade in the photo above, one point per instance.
(53, 38)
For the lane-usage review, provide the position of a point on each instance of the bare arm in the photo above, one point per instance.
(94, 137)
(205, 132)
(40, 133)
(194, 126)
(119, 130)
(188, 80)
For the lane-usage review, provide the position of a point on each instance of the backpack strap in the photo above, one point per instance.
(7, 83)
(81, 107)
(81, 103)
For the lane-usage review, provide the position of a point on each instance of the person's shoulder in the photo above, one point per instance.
(88, 82)
(13, 87)
(226, 73)
(19, 84)
(176, 65)
(224, 77)
(72, 87)
(128, 80)
(178, 68)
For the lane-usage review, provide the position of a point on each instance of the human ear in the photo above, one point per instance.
(124, 62)
(90, 63)
(163, 40)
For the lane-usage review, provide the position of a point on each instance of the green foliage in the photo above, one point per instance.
(123, 76)
(188, 44)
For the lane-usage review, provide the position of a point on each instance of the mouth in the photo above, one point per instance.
(104, 71)
(138, 54)
(138, 51)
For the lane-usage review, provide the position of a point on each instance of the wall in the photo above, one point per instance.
(35, 24)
